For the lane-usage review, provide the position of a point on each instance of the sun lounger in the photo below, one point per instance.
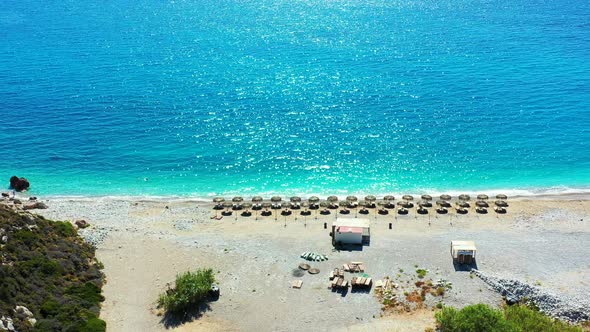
(297, 284)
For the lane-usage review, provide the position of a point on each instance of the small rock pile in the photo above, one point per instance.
(561, 307)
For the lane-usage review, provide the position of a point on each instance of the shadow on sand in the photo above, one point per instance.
(170, 320)
(464, 267)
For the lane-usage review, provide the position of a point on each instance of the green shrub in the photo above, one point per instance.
(89, 293)
(191, 288)
(421, 273)
(49, 308)
(473, 318)
(64, 228)
(480, 317)
(94, 325)
(530, 320)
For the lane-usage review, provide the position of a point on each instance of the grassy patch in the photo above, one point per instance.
(191, 288)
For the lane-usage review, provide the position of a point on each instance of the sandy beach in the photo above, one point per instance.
(145, 243)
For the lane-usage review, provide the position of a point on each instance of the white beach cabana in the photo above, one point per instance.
(351, 231)
(463, 252)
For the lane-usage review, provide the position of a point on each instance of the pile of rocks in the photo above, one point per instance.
(6, 324)
(561, 307)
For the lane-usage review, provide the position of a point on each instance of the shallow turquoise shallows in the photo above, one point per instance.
(195, 98)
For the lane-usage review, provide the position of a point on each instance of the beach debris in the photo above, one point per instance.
(304, 266)
(566, 308)
(361, 282)
(296, 284)
(354, 267)
(19, 184)
(312, 256)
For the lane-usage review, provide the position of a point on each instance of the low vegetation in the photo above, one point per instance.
(481, 317)
(47, 268)
(191, 289)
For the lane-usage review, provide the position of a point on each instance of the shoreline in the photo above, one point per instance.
(580, 195)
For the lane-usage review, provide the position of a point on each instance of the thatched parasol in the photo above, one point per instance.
(227, 205)
(388, 198)
(304, 266)
(482, 197)
(422, 210)
(370, 198)
(445, 197)
(276, 199)
(441, 210)
(443, 203)
(426, 197)
(481, 204)
(481, 210)
(424, 203)
(408, 198)
(313, 200)
(501, 203)
(406, 204)
(218, 200)
(502, 197)
(332, 199)
(464, 197)
(237, 199)
(247, 205)
(351, 199)
(313, 270)
(266, 205)
(295, 199)
(463, 204)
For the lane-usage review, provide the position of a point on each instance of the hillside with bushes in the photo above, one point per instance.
(50, 279)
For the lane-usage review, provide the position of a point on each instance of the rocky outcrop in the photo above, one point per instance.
(19, 184)
(568, 309)
(82, 223)
(35, 205)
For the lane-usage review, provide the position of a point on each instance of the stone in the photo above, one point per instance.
(19, 184)
(5, 194)
(17, 201)
(23, 311)
(32, 321)
(4, 238)
(35, 205)
(32, 198)
(82, 223)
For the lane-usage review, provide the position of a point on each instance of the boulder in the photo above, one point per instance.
(82, 223)
(5, 194)
(19, 184)
(4, 239)
(32, 321)
(32, 198)
(36, 205)
(23, 312)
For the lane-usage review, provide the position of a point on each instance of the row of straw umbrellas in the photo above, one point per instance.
(370, 201)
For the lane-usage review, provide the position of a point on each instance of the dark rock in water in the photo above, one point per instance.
(19, 184)
(17, 201)
(32, 198)
(35, 205)
(5, 195)
(82, 223)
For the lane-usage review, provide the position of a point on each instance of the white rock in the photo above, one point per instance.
(23, 310)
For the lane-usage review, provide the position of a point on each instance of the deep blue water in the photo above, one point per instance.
(154, 97)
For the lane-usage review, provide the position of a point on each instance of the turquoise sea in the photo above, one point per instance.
(195, 98)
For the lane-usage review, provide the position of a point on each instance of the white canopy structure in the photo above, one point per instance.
(463, 251)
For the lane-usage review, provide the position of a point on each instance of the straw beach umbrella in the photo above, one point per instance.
(445, 197)
(313, 202)
(351, 200)
(482, 197)
(426, 197)
(332, 200)
(464, 197)
(389, 198)
(501, 203)
(246, 212)
(276, 200)
(481, 204)
(370, 199)
(424, 203)
(295, 202)
(227, 206)
(443, 203)
(344, 206)
(502, 197)
(257, 200)
(218, 203)
(408, 198)
(237, 202)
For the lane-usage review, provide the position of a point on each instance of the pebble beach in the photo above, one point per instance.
(540, 243)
